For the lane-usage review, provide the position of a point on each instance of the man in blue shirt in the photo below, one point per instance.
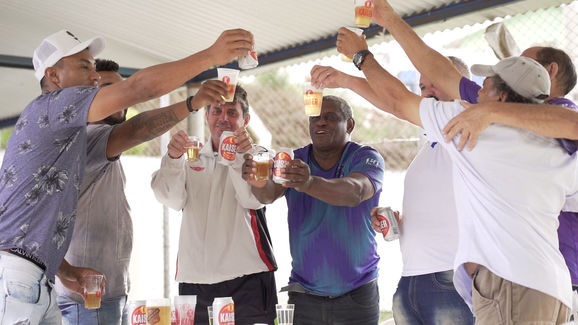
(332, 185)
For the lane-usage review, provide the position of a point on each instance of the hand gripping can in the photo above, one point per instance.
(137, 314)
(223, 311)
(227, 148)
(282, 158)
(388, 223)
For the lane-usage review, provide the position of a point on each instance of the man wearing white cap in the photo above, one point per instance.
(508, 193)
(45, 158)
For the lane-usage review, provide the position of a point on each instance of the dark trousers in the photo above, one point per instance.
(254, 295)
(357, 307)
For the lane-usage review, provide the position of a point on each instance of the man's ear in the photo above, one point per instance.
(503, 96)
(552, 69)
(51, 75)
(350, 125)
(246, 118)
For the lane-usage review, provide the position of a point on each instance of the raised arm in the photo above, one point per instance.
(158, 80)
(430, 63)
(151, 124)
(547, 120)
(395, 97)
(328, 77)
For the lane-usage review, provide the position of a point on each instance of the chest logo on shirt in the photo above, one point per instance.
(197, 168)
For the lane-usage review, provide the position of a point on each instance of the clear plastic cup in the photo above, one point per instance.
(92, 291)
(363, 13)
(285, 314)
(185, 309)
(313, 98)
(229, 77)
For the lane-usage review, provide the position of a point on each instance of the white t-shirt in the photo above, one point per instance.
(509, 191)
(429, 237)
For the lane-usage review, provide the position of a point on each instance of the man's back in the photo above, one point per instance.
(509, 191)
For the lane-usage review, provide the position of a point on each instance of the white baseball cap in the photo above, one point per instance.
(524, 75)
(59, 45)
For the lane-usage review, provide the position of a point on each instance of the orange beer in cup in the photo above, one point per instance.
(229, 77)
(363, 13)
(92, 291)
(313, 98)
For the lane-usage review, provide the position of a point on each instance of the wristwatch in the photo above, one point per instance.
(359, 57)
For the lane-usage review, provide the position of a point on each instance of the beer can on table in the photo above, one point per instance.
(282, 158)
(227, 148)
(249, 61)
(223, 311)
(137, 313)
(388, 223)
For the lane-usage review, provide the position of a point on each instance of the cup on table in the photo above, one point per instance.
(313, 97)
(185, 309)
(363, 13)
(159, 311)
(229, 77)
(357, 31)
(262, 157)
(92, 291)
(285, 314)
(210, 314)
(193, 147)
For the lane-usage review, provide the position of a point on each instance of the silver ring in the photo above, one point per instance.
(326, 73)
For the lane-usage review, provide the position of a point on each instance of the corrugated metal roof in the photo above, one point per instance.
(141, 33)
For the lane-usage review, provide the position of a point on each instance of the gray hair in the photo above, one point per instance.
(341, 104)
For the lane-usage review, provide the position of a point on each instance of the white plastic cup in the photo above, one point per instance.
(285, 314)
(313, 98)
(185, 309)
(363, 13)
(159, 311)
(229, 77)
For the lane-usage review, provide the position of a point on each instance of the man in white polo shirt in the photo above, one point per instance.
(509, 191)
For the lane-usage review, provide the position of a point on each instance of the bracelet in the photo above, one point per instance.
(189, 107)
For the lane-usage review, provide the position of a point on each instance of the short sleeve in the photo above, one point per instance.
(469, 90)
(368, 161)
(68, 107)
(435, 115)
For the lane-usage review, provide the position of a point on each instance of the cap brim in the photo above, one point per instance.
(483, 70)
(94, 45)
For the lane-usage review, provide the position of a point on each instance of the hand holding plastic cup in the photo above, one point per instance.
(313, 97)
(193, 147)
(92, 291)
(229, 77)
(363, 13)
(185, 309)
(285, 314)
(357, 31)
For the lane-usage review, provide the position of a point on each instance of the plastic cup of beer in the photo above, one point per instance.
(363, 13)
(357, 31)
(92, 291)
(313, 97)
(262, 158)
(193, 147)
(285, 314)
(159, 311)
(210, 314)
(229, 77)
(185, 309)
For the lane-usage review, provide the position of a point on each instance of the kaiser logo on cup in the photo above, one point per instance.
(227, 148)
(226, 79)
(227, 315)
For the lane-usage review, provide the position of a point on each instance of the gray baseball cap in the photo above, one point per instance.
(524, 75)
(59, 45)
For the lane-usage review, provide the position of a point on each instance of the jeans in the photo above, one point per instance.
(111, 312)
(429, 299)
(357, 307)
(27, 296)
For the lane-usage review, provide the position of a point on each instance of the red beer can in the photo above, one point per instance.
(282, 158)
(388, 223)
(227, 148)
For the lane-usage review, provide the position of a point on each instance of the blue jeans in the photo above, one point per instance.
(357, 307)
(430, 299)
(111, 312)
(26, 295)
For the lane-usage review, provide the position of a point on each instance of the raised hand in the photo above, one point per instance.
(244, 142)
(327, 77)
(176, 147)
(230, 44)
(349, 43)
(211, 92)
